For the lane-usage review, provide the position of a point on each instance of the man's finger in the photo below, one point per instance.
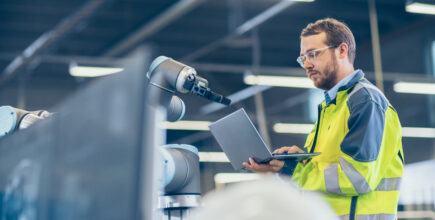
(282, 150)
(252, 162)
(255, 165)
(276, 163)
(293, 149)
(246, 165)
(277, 151)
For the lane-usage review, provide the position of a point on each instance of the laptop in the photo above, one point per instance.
(240, 140)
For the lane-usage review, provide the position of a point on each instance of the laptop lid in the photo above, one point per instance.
(239, 139)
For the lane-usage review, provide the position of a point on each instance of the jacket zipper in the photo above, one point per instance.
(319, 108)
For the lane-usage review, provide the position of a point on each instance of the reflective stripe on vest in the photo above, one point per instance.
(332, 183)
(389, 184)
(358, 181)
(331, 179)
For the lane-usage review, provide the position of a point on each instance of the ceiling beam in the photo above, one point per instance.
(242, 29)
(397, 33)
(49, 38)
(376, 46)
(155, 25)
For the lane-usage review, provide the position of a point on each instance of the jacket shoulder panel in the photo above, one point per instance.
(367, 106)
(365, 91)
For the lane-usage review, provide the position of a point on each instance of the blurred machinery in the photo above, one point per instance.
(67, 166)
(86, 161)
(12, 119)
(181, 181)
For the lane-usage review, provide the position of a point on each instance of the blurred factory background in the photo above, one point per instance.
(228, 42)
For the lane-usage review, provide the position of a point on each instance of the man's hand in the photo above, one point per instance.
(289, 150)
(273, 166)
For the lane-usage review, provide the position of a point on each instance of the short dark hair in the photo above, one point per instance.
(336, 33)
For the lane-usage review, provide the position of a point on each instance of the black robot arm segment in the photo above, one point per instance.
(199, 86)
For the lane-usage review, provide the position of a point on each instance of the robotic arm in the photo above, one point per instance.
(167, 76)
(180, 162)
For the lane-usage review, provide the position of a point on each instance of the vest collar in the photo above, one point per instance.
(359, 74)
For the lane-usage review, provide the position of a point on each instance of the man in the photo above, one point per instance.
(357, 131)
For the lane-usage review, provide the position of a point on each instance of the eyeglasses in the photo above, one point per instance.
(311, 55)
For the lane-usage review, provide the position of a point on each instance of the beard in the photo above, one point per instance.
(329, 75)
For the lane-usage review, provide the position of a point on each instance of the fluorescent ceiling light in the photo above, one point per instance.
(302, 0)
(421, 8)
(418, 132)
(279, 81)
(292, 128)
(217, 157)
(415, 88)
(222, 178)
(186, 125)
(91, 71)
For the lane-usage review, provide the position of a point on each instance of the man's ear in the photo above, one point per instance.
(342, 50)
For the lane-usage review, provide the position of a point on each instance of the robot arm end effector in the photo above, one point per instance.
(176, 76)
(199, 86)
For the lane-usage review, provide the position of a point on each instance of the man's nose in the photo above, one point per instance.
(308, 65)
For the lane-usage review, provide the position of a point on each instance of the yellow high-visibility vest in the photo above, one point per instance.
(361, 163)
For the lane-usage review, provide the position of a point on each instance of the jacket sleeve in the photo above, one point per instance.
(361, 167)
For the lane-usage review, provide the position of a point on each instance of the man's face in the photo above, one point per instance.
(323, 68)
